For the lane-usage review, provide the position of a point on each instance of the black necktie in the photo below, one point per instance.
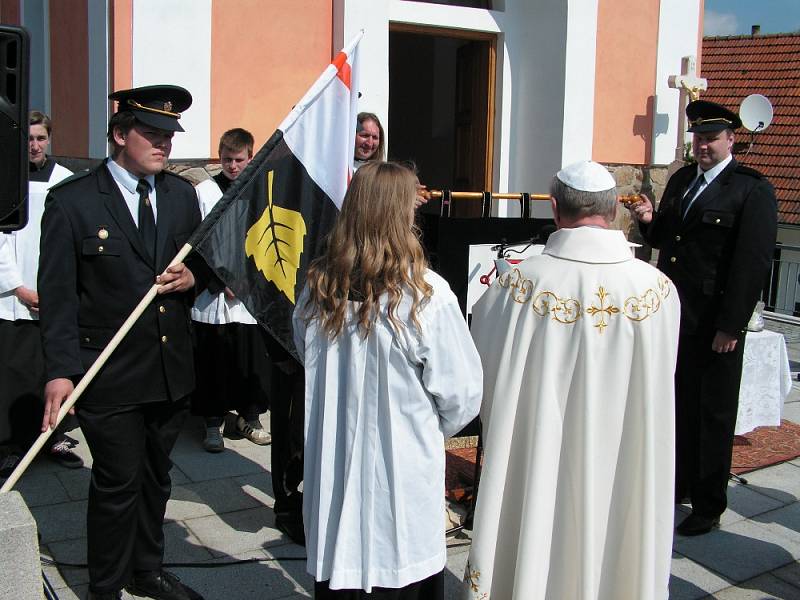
(147, 222)
(687, 198)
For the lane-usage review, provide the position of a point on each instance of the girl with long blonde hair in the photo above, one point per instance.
(391, 371)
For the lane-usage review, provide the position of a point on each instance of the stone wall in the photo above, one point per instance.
(193, 170)
(634, 179)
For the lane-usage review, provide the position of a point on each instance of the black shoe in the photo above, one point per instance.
(160, 585)
(696, 524)
(291, 526)
(61, 452)
(104, 595)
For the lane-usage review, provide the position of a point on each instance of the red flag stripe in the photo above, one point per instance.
(342, 68)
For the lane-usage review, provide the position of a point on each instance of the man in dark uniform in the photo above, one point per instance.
(107, 236)
(715, 229)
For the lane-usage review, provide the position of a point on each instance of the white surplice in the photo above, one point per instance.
(377, 413)
(19, 251)
(576, 496)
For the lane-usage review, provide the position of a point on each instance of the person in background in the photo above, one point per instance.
(391, 372)
(370, 140)
(715, 229)
(21, 360)
(231, 357)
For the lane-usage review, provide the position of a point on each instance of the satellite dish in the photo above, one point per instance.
(755, 112)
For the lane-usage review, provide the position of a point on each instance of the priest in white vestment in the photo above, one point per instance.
(578, 347)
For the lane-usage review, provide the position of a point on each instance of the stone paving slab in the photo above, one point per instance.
(745, 502)
(206, 498)
(42, 489)
(199, 465)
(784, 523)
(67, 521)
(763, 587)
(76, 482)
(251, 580)
(789, 573)
(259, 486)
(69, 551)
(739, 552)
(691, 581)
(781, 482)
(237, 532)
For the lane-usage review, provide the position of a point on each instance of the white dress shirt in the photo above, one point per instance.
(127, 182)
(708, 177)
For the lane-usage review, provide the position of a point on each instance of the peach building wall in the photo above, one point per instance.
(264, 56)
(627, 38)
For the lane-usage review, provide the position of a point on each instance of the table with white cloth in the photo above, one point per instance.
(766, 381)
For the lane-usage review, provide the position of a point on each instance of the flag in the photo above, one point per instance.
(271, 223)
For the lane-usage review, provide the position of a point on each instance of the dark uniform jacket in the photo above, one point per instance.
(94, 270)
(719, 256)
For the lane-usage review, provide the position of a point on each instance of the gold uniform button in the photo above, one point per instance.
(103, 234)
(162, 310)
(87, 340)
(716, 221)
(100, 248)
(677, 238)
(672, 259)
(164, 339)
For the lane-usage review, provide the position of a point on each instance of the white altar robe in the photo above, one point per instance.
(19, 250)
(576, 497)
(377, 413)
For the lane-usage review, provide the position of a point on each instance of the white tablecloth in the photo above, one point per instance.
(766, 381)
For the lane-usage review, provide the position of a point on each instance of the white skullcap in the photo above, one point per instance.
(586, 176)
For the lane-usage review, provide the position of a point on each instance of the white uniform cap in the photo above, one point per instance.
(586, 176)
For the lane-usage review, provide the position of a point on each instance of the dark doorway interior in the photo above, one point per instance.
(440, 110)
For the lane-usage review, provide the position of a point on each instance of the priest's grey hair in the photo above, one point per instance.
(576, 204)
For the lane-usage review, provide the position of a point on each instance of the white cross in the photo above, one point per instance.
(690, 86)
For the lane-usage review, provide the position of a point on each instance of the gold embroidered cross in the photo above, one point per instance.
(602, 310)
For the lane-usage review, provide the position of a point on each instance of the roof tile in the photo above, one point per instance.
(737, 66)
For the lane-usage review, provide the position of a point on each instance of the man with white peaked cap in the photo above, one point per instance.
(578, 348)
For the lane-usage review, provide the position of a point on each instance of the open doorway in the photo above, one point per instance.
(441, 107)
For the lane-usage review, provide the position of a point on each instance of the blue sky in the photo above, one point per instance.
(735, 17)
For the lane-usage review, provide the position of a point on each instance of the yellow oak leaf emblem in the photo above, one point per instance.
(275, 242)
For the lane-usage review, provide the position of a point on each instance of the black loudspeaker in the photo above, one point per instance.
(14, 80)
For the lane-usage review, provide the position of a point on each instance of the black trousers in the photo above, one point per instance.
(233, 370)
(22, 387)
(706, 405)
(129, 488)
(430, 588)
(287, 422)
(287, 419)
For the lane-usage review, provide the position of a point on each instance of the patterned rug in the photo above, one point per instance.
(459, 474)
(760, 448)
(765, 446)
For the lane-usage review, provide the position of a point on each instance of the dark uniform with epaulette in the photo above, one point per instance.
(718, 254)
(94, 269)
